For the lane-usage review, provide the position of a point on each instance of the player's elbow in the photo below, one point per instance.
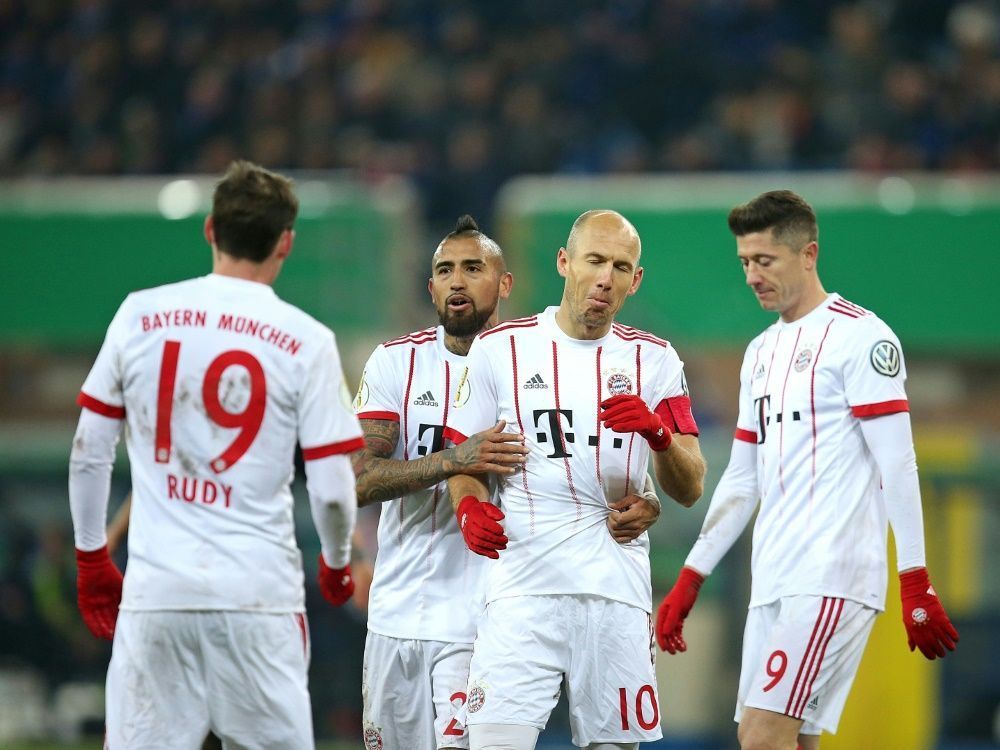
(689, 495)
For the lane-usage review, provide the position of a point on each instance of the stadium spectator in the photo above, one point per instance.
(565, 602)
(217, 379)
(823, 446)
(472, 96)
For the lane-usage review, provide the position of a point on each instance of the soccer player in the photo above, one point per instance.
(565, 603)
(823, 446)
(216, 379)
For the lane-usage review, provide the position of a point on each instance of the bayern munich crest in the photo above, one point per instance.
(373, 739)
(477, 697)
(802, 359)
(619, 383)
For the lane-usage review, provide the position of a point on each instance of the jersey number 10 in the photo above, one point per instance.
(247, 421)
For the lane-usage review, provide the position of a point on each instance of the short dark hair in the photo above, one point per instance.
(251, 207)
(466, 226)
(790, 218)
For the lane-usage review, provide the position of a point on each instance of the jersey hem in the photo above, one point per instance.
(448, 638)
(878, 607)
(647, 608)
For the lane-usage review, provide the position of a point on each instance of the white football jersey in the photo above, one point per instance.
(427, 584)
(822, 524)
(217, 378)
(549, 386)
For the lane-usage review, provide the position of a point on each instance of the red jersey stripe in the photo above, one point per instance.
(415, 340)
(333, 449)
(422, 335)
(630, 331)
(520, 426)
(884, 407)
(391, 416)
(843, 311)
(745, 435)
(99, 407)
(838, 609)
(511, 324)
(456, 437)
(793, 696)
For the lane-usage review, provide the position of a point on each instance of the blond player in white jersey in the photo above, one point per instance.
(565, 604)
(823, 446)
(216, 379)
(426, 595)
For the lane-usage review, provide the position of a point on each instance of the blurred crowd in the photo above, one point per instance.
(461, 94)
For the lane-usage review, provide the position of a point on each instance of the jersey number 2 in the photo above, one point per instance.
(247, 421)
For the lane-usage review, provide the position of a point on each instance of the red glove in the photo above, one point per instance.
(675, 607)
(478, 522)
(629, 413)
(336, 584)
(98, 591)
(927, 625)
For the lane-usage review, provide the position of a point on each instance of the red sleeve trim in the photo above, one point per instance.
(333, 449)
(676, 412)
(877, 410)
(390, 416)
(747, 436)
(105, 410)
(456, 437)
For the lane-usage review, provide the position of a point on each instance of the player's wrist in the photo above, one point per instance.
(90, 558)
(691, 578)
(660, 438)
(464, 507)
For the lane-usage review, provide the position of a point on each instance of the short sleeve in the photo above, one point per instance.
(874, 371)
(327, 425)
(475, 401)
(671, 398)
(102, 391)
(380, 390)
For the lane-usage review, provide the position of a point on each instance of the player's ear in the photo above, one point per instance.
(209, 230)
(562, 261)
(506, 284)
(636, 280)
(285, 242)
(810, 254)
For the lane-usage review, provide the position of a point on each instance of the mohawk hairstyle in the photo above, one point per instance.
(466, 226)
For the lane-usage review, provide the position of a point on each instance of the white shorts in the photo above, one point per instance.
(412, 691)
(175, 675)
(800, 655)
(603, 649)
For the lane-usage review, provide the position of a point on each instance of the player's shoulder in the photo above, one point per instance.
(630, 334)
(854, 321)
(415, 338)
(513, 327)
(153, 296)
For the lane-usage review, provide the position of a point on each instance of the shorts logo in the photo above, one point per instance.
(619, 383)
(885, 359)
(477, 698)
(813, 704)
(373, 739)
(803, 359)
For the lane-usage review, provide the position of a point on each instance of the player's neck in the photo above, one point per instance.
(577, 330)
(240, 268)
(459, 345)
(812, 297)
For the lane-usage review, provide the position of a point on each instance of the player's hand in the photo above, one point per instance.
(336, 584)
(480, 528)
(629, 413)
(98, 591)
(491, 450)
(630, 517)
(927, 625)
(674, 608)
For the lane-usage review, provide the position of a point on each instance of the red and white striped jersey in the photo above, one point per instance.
(821, 527)
(427, 584)
(217, 378)
(549, 386)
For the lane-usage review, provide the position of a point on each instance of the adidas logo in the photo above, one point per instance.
(814, 703)
(426, 399)
(535, 381)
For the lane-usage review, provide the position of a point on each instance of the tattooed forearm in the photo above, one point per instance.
(379, 477)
